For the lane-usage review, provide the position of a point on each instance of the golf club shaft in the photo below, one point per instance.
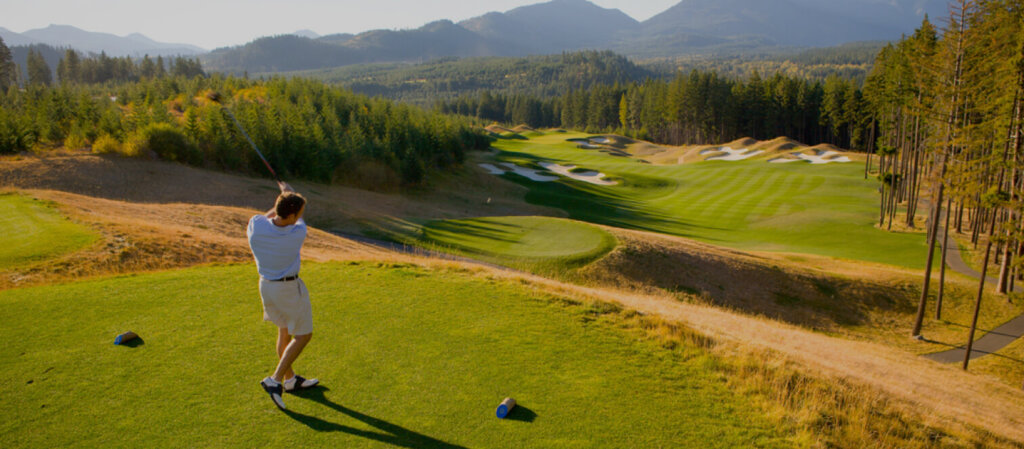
(264, 159)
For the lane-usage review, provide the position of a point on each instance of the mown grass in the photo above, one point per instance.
(752, 205)
(543, 245)
(34, 231)
(410, 357)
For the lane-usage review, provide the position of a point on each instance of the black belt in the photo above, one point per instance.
(289, 278)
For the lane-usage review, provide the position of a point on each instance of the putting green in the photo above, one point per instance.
(525, 238)
(34, 232)
(410, 357)
(752, 205)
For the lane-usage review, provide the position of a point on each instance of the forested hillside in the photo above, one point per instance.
(538, 76)
(546, 77)
(306, 129)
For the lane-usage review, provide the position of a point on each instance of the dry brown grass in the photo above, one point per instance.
(336, 208)
(498, 129)
(522, 129)
(145, 237)
(817, 293)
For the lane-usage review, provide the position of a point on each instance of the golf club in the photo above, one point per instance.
(216, 98)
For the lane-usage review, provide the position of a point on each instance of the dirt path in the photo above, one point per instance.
(991, 342)
(951, 394)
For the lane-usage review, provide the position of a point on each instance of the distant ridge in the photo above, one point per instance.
(92, 42)
(721, 27)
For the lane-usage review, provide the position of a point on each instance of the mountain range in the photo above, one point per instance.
(61, 36)
(689, 27)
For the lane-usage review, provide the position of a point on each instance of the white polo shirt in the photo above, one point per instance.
(276, 249)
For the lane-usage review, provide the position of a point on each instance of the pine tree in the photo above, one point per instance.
(7, 68)
(38, 70)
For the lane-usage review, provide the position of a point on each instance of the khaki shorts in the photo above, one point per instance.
(286, 304)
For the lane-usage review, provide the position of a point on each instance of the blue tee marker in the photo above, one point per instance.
(125, 337)
(505, 407)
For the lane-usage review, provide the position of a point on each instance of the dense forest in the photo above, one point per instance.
(949, 108)
(694, 108)
(547, 77)
(72, 65)
(449, 78)
(306, 129)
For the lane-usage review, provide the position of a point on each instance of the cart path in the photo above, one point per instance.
(997, 338)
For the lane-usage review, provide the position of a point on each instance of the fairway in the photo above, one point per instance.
(532, 239)
(35, 232)
(751, 205)
(410, 357)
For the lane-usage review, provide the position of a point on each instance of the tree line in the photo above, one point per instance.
(693, 108)
(75, 67)
(949, 107)
(306, 129)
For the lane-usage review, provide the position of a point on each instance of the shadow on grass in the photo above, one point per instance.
(390, 433)
(133, 343)
(612, 206)
(498, 231)
(520, 413)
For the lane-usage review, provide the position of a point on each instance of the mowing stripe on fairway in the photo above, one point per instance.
(751, 205)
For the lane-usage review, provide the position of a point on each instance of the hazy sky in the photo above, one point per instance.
(217, 23)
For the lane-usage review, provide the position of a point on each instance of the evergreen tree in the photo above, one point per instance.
(8, 70)
(38, 70)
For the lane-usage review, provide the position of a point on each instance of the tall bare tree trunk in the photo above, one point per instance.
(937, 200)
(977, 306)
(1004, 269)
(942, 264)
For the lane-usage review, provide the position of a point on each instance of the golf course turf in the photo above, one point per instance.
(522, 239)
(410, 357)
(750, 205)
(34, 232)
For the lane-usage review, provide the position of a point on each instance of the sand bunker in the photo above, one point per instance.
(492, 169)
(819, 157)
(590, 176)
(529, 173)
(730, 154)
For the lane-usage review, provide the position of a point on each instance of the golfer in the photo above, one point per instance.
(276, 240)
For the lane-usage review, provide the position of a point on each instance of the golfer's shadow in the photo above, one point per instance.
(391, 433)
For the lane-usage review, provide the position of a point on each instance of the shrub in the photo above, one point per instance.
(165, 141)
(106, 144)
(75, 141)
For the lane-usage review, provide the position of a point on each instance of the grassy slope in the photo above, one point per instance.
(411, 357)
(537, 244)
(34, 232)
(750, 205)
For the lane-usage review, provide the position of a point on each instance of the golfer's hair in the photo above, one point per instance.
(289, 203)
